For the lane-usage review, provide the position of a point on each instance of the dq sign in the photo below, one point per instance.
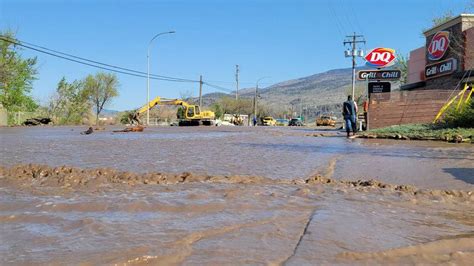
(438, 46)
(381, 57)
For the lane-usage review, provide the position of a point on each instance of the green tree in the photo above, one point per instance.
(101, 89)
(403, 66)
(232, 106)
(180, 114)
(436, 21)
(217, 109)
(16, 76)
(125, 116)
(69, 105)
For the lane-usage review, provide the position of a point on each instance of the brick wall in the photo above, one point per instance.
(406, 107)
(469, 48)
(416, 65)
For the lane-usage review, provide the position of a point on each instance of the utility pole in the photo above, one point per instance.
(255, 101)
(200, 91)
(353, 40)
(237, 81)
(148, 76)
(255, 97)
(301, 108)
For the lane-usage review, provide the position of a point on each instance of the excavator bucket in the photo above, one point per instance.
(134, 118)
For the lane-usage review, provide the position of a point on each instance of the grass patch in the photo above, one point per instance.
(423, 132)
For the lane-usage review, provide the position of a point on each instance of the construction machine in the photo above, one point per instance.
(192, 115)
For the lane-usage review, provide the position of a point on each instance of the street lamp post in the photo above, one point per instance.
(255, 97)
(148, 75)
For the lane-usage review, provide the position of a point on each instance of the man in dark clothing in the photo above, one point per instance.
(349, 113)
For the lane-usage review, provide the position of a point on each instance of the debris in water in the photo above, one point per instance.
(37, 121)
(87, 132)
(131, 129)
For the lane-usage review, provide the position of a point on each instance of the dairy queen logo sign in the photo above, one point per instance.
(381, 57)
(438, 46)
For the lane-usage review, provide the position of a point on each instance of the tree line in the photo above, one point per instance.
(72, 102)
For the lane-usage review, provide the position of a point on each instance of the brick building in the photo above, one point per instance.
(444, 64)
(452, 65)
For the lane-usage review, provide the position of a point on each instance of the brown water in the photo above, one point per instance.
(269, 152)
(272, 218)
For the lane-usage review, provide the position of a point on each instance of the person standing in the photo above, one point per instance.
(349, 113)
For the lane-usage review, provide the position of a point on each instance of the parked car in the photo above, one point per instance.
(282, 122)
(326, 120)
(268, 121)
(295, 122)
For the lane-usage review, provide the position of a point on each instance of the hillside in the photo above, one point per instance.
(315, 94)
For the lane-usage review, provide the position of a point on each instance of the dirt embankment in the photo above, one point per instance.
(452, 139)
(71, 177)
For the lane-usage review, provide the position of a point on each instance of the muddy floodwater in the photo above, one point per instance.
(232, 196)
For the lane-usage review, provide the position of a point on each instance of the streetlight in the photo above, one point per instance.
(255, 98)
(148, 75)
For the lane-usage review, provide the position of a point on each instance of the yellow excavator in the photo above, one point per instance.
(191, 115)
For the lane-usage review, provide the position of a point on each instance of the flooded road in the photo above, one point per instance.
(248, 200)
(269, 152)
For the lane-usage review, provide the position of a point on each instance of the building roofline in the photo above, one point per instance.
(450, 23)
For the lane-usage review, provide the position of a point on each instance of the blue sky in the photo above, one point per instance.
(281, 39)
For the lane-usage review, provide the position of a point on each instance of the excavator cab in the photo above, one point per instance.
(192, 111)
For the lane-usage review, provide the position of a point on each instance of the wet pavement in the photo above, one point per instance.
(235, 223)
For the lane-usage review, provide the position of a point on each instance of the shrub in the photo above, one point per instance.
(464, 117)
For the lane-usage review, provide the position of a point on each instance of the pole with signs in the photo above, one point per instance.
(353, 52)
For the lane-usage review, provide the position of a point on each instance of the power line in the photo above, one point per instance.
(356, 17)
(113, 66)
(108, 67)
(93, 63)
(338, 24)
(240, 82)
(347, 16)
(217, 87)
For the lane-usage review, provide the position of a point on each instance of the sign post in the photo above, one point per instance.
(380, 58)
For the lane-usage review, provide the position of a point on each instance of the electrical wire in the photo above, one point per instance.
(93, 63)
(361, 30)
(108, 67)
(217, 87)
(347, 17)
(334, 15)
(240, 82)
